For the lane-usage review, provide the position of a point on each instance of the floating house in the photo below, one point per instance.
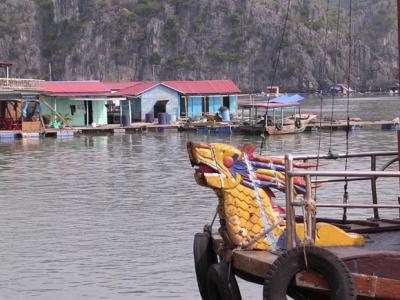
(199, 97)
(19, 103)
(82, 103)
(20, 111)
(181, 99)
(341, 89)
(146, 98)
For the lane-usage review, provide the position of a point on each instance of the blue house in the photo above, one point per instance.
(199, 97)
(147, 98)
(183, 99)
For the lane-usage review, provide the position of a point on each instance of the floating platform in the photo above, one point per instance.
(208, 130)
(354, 125)
(56, 133)
(7, 135)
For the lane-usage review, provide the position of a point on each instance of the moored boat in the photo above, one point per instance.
(292, 254)
(281, 115)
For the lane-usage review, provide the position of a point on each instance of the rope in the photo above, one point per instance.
(276, 64)
(267, 228)
(322, 70)
(345, 194)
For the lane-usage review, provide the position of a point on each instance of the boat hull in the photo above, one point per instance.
(292, 125)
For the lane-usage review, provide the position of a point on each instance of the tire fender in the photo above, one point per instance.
(204, 257)
(219, 286)
(284, 269)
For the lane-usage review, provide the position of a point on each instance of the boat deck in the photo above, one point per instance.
(389, 241)
(375, 267)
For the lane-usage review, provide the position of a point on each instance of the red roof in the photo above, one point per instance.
(75, 88)
(203, 86)
(5, 63)
(116, 86)
(136, 89)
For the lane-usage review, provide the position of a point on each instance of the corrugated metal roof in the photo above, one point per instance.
(116, 86)
(75, 88)
(189, 87)
(136, 89)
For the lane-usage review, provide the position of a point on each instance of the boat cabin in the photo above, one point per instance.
(275, 113)
(281, 115)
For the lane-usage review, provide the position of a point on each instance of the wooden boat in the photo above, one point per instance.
(303, 256)
(314, 258)
(274, 118)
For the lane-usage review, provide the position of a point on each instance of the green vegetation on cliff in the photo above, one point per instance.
(200, 39)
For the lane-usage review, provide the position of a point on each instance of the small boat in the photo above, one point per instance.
(281, 115)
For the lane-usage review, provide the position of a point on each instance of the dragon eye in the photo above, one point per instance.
(228, 162)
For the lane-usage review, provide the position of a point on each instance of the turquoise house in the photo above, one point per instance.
(199, 97)
(82, 102)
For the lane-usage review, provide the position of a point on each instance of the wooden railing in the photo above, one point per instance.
(21, 84)
(308, 201)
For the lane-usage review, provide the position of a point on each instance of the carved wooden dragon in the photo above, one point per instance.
(248, 216)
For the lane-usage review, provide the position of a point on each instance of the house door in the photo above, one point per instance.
(136, 109)
(226, 102)
(160, 107)
(88, 113)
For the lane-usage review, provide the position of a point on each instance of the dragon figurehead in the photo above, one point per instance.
(243, 181)
(222, 168)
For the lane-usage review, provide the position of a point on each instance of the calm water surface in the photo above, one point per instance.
(113, 217)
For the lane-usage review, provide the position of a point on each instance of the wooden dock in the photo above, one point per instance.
(142, 127)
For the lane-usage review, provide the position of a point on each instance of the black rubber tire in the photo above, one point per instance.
(278, 126)
(204, 257)
(219, 287)
(297, 123)
(284, 269)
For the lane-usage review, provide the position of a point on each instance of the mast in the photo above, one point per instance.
(398, 88)
(398, 36)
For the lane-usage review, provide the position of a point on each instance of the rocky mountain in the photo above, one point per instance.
(202, 39)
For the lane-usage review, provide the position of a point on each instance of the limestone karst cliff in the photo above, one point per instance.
(200, 39)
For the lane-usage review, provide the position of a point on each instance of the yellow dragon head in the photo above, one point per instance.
(213, 163)
(243, 181)
(224, 169)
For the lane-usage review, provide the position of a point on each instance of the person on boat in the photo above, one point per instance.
(217, 117)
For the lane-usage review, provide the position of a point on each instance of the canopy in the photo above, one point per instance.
(288, 99)
(282, 101)
(268, 105)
